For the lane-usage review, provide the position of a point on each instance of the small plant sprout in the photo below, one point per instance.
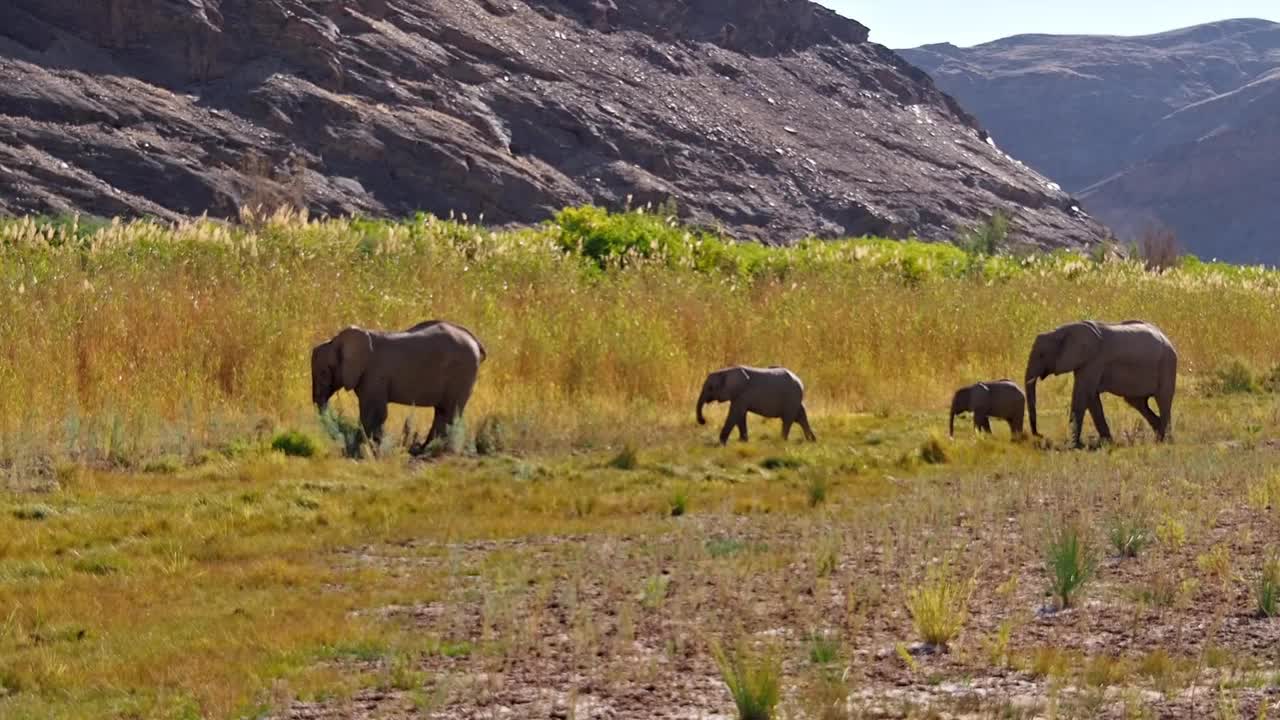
(678, 505)
(824, 648)
(939, 607)
(1129, 536)
(817, 491)
(753, 677)
(1071, 561)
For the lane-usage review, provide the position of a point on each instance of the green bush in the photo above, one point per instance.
(345, 431)
(295, 444)
(1235, 378)
(781, 463)
(987, 238)
(491, 436)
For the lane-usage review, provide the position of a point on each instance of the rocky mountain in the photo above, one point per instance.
(774, 119)
(1179, 129)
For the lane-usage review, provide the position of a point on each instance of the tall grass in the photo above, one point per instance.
(128, 340)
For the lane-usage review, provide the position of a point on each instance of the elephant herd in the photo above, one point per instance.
(435, 364)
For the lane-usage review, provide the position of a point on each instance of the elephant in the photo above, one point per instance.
(1132, 359)
(432, 364)
(999, 399)
(772, 392)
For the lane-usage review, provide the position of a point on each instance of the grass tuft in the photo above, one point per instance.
(754, 680)
(781, 463)
(626, 459)
(1072, 562)
(34, 512)
(939, 607)
(933, 452)
(1129, 536)
(1267, 594)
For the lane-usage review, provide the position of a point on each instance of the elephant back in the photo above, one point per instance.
(454, 330)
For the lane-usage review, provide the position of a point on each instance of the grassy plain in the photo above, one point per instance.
(605, 557)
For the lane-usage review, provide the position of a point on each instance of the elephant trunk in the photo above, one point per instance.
(702, 400)
(1031, 404)
(957, 407)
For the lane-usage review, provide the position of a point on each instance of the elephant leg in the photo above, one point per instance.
(788, 419)
(373, 414)
(982, 422)
(737, 417)
(1165, 403)
(1143, 406)
(1080, 398)
(803, 418)
(742, 426)
(440, 423)
(1099, 418)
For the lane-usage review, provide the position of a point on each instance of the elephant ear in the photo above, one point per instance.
(1080, 343)
(355, 347)
(735, 379)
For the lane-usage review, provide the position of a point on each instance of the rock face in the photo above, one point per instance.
(774, 119)
(1180, 129)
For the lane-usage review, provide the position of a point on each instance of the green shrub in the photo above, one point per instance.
(343, 430)
(1234, 378)
(1271, 381)
(295, 444)
(491, 436)
(167, 465)
(933, 452)
(1071, 562)
(775, 462)
(754, 680)
(986, 239)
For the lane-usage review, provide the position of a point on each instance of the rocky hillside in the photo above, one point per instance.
(772, 118)
(1180, 128)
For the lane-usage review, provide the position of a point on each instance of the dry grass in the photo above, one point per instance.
(138, 341)
(159, 560)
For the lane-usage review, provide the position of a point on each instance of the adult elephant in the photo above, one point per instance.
(1131, 359)
(433, 364)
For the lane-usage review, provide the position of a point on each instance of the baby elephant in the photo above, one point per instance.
(1000, 399)
(773, 392)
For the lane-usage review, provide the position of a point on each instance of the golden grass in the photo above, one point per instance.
(140, 341)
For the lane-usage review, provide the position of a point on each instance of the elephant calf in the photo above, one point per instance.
(433, 364)
(773, 392)
(1001, 399)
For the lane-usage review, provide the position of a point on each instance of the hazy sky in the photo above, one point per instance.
(908, 23)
